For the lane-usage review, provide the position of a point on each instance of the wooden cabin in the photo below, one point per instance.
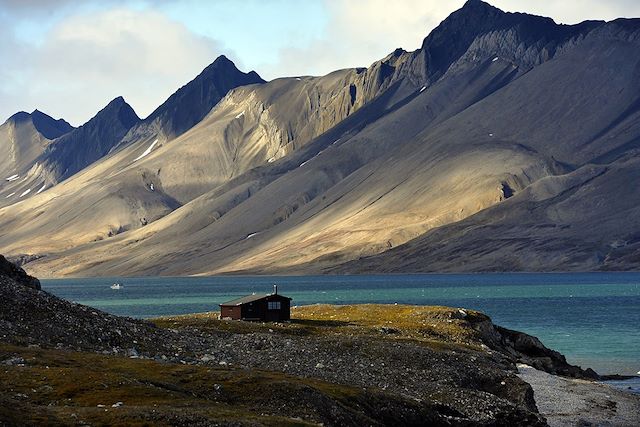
(262, 307)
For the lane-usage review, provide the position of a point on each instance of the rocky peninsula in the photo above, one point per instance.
(66, 364)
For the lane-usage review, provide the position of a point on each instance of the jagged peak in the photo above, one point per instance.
(20, 116)
(46, 125)
(190, 103)
(452, 38)
(117, 101)
(227, 65)
(476, 3)
(222, 59)
(118, 109)
(49, 127)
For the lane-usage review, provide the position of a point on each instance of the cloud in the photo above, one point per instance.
(86, 60)
(575, 11)
(70, 58)
(359, 33)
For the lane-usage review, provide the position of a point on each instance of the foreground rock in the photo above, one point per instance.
(29, 316)
(13, 272)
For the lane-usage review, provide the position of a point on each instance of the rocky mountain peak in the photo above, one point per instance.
(18, 117)
(189, 104)
(47, 126)
(118, 110)
(77, 149)
(528, 39)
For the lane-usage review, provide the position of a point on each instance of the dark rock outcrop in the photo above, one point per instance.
(31, 316)
(529, 350)
(16, 273)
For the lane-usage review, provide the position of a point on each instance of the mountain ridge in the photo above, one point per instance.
(191, 102)
(355, 170)
(91, 141)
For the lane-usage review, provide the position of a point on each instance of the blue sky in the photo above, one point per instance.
(70, 58)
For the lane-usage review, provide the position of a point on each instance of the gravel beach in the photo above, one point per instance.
(573, 402)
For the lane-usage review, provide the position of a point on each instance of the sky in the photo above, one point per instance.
(69, 58)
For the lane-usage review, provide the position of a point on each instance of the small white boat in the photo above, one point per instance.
(116, 286)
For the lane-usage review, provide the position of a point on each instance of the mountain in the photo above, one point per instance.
(24, 136)
(51, 161)
(91, 141)
(117, 127)
(187, 106)
(492, 147)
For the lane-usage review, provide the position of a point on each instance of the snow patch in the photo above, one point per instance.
(298, 78)
(304, 163)
(240, 115)
(12, 194)
(271, 159)
(42, 189)
(335, 142)
(495, 59)
(13, 178)
(26, 192)
(251, 235)
(147, 151)
(423, 88)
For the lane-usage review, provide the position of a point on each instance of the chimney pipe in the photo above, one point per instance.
(275, 289)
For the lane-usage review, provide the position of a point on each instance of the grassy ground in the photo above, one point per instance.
(56, 387)
(432, 324)
(60, 387)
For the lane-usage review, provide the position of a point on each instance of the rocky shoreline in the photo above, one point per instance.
(439, 365)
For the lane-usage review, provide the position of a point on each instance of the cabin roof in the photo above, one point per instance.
(251, 298)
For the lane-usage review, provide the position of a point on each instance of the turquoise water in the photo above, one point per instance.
(592, 318)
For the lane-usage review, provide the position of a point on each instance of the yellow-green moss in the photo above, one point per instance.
(433, 325)
(57, 387)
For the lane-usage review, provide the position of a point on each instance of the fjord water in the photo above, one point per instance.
(592, 318)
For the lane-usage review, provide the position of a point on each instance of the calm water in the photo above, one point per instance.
(592, 318)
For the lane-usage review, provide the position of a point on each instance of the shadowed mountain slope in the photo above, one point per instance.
(91, 141)
(39, 163)
(491, 126)
(192, 102)
(24, 137)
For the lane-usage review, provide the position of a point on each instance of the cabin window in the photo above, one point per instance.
(274, 305)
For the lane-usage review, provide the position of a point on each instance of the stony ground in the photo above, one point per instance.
(569, 402)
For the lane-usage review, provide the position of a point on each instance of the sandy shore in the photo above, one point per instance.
(571, 402)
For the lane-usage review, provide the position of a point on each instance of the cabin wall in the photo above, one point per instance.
(231, 312)
(259, 310)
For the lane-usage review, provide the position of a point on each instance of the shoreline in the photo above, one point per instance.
(568, 402)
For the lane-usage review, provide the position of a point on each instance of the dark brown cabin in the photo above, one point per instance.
(269, 308)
